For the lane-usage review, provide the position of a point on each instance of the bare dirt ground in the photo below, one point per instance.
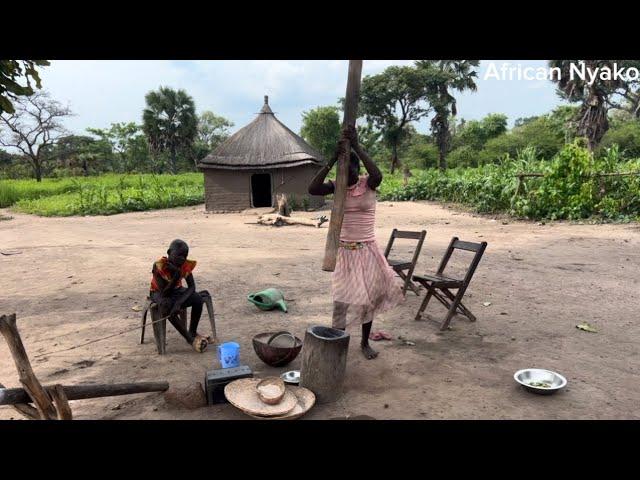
(76, 279)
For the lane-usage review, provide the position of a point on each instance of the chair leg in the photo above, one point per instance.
(467, 313)
(406, 281)
(438, 296)
(425, 302)
(413, 287)
(144, 323)
(408, 284)
(212, 319)
(159, 331)
(464, 310)
(452, 310)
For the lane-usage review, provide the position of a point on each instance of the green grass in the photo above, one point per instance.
(11, 191)
(103, 195)
(570, 189)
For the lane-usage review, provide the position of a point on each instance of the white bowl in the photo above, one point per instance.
(540, 381)
(292, 377)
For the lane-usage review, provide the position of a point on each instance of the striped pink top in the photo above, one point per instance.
(359, 220)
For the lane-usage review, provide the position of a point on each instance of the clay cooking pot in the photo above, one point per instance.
(277, 348)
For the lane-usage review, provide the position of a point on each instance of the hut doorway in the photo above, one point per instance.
(261, 190)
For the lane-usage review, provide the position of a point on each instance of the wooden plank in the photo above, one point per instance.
(28, 379)
(337, 211)
(13, 396)
(409, 235)
(469, 246)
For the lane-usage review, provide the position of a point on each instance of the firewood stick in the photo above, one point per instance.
(24, 408)
(337, 211)
(61, 402)
(13, 396)
(28, 379)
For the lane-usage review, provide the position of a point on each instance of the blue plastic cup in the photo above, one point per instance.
(229, 354)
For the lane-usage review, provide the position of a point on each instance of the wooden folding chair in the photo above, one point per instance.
(402, 266)
(440, 286)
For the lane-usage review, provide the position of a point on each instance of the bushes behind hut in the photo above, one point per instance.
(570, 189)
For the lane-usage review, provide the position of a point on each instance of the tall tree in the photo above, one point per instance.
(122, 139)
(475, 133)
(212, 129)
(170, 122)
(70, 152)
(629, 92)
(33, 128)
(391, 100)
(595, 97)
(11, 74)
(443, 77)
(321, 129)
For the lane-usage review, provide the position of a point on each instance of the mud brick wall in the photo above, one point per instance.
(230, 190)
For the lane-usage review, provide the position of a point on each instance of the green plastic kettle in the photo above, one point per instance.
(268, 299)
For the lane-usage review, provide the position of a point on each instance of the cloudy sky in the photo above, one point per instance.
(103, 92)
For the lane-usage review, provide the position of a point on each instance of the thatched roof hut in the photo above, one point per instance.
(257, 162)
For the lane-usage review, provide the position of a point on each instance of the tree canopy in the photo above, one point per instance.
(391, 100)
(321, 129)
(16, 77)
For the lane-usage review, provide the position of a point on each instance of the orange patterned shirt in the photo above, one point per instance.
(165, 273)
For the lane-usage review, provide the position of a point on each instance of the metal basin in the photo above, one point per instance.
(540, 381)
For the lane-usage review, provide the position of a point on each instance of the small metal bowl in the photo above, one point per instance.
(540, 381)
(292, 377)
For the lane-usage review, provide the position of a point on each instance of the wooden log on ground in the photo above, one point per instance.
(14, 396)
(24, 408)
(28, 379)
(278, 220)
(337, 211)
(324, 362)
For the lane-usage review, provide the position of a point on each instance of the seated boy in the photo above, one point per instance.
(168, 292)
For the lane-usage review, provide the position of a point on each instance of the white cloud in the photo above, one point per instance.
(103, 92)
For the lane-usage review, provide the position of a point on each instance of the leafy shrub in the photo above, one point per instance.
(570, 189)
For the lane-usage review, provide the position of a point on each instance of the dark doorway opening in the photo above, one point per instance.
(261, 190)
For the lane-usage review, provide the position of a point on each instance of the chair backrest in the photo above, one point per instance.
(455, 243)
(409, 235)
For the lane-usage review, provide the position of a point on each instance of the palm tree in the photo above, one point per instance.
(444, 76)
(595, 98)
(170, 122)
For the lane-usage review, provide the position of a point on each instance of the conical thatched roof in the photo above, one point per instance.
(264, 143)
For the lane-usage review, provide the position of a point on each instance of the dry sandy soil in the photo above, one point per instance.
(76, 279)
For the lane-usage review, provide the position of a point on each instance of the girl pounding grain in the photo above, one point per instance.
(363, 283)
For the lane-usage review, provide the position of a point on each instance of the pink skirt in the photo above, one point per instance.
(363, 279)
